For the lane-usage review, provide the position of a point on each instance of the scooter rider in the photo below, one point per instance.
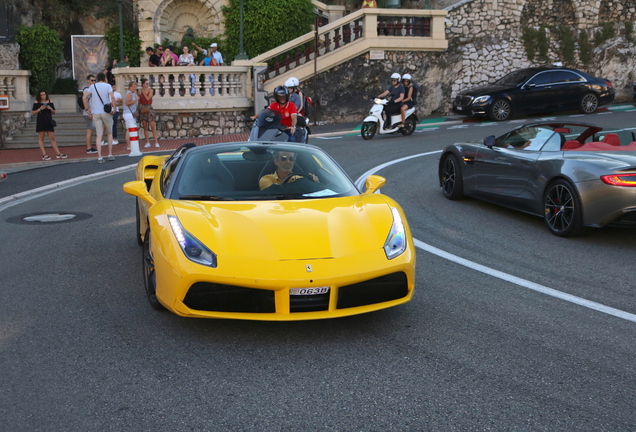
(396, 90)
(287, 110)
(294, 97)
(410, 95)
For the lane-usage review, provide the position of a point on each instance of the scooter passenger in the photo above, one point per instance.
(287, 110)
(410, 95)
(396, 90)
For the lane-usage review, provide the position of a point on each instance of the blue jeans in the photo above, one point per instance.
(115, 118)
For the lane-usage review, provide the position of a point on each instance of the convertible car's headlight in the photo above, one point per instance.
(395, 244)
(193, 249)
(481, 99)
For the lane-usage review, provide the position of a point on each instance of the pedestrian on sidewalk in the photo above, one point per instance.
(90, 125)
(130, 109)
(101, 96)
(44, 109)
(118, 102)
(147, 113)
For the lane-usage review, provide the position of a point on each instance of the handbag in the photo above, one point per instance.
(145, 110)
(107, 107)
(53, 123)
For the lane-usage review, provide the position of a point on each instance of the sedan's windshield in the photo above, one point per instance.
(245, 172)
(515, 78)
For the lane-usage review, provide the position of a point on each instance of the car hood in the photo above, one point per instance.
(290, 230)
(486, 90)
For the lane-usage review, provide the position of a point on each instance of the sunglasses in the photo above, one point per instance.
(285, 158)
(91, 80)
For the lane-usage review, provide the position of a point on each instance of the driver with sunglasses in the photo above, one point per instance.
(396, 90)
(284, 162)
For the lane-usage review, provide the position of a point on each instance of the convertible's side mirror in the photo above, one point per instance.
(139, 189)
(373, 183)
(489, 141)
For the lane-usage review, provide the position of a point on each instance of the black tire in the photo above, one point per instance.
(150, 277)
(588, 103)
(562, 209)
(500, 110)
(368, 130)
(140, 240)
(409, 127)
(450, 175)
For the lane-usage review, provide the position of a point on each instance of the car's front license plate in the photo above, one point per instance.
(459, 108)
(309, 291)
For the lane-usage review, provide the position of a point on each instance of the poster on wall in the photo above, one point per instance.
(90, 56)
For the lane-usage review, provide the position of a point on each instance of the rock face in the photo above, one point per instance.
(485, 43)
(9, 53)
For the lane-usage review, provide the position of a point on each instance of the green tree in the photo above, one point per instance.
(40, 52)
(132, 45)
(267, 24)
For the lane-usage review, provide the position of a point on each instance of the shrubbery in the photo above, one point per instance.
(40, 52)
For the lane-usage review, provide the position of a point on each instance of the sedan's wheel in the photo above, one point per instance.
(588, 104)
(138, 223)
(368, 130)
(451, 178)
(562, 209)
(150, 277)
(500, 110)
(409, 126)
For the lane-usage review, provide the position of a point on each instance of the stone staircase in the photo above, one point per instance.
(70, 131)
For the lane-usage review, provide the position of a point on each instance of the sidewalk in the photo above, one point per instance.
(14, 160)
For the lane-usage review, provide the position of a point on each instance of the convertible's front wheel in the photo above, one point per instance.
(450, 175)
(562, 209)
(368, 130)
(150, 277)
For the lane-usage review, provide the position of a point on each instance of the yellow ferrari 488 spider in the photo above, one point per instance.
(267, 231)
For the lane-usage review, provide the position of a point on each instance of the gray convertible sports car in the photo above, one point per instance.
(571, 174)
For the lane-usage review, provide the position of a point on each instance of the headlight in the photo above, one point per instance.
(395, 244)
(481, 99)
(193, 249)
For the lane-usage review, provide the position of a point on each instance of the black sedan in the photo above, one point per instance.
(571, 174)
(537, 89)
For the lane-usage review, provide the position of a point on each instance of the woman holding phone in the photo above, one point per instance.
(44, 109)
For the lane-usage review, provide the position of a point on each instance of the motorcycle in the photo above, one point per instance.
(374, 123)
(267, 127)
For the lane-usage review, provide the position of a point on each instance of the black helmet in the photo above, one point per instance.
(281, 91)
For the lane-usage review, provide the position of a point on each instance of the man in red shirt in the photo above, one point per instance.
(287, 111)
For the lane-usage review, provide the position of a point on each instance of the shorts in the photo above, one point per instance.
(89, 123)
(103, 121)
(130, 121)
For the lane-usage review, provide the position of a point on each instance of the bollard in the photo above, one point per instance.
(134, 142)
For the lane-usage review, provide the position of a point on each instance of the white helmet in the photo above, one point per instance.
(396, 76)
(292, 82)
(406, 77)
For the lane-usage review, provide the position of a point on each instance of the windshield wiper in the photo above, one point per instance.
(205, 198)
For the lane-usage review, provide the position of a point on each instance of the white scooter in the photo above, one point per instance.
(374, 123)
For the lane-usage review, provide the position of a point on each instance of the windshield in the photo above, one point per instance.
(246, 172)
(515, 78)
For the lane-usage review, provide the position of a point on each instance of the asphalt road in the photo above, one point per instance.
(80, 348)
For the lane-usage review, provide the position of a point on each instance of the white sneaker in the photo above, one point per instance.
(104, 143)
(147, 145)
(115, 142)
(157, 144)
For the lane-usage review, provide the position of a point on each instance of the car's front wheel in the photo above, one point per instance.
(409, 126)
(368, 130)
(562, 209)
(450, 174)
(588, 104)
(500, 110)
(150, 277)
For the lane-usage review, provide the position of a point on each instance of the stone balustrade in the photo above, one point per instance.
(15, 84)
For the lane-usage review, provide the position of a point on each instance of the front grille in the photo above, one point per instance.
(463, 100)
(227, 298)
(309, 303)
(378, 290)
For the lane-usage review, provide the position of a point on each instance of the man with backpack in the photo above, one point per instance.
(90, 125)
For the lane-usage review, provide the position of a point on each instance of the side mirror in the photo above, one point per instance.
(489, 141)
(138, 189)
(373, 183)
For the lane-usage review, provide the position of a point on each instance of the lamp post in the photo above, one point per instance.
(121, 63)
(241, 55)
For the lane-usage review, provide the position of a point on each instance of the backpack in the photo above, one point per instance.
(80, 100)
(415, 90)
(308, 106)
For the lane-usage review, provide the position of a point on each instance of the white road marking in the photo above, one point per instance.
(458, 127)
(496, 273)
(328, 138)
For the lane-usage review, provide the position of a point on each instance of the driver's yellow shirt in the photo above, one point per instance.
(270, 179)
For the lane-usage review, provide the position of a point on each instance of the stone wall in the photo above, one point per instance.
(12, 123)
(9, 53)
(191, 125)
